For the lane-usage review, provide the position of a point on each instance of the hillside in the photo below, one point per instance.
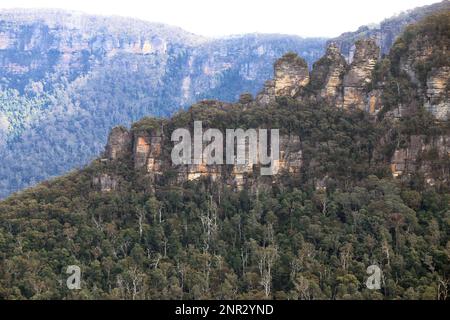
(363, 179)
(387, 31)
(67, 78)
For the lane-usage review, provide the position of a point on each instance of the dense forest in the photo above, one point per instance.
(66, 79)
(204, 240)
(306, 236)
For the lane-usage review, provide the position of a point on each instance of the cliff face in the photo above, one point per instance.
(331, 81)
(437, 93)
(342, 85)
(79, 76)
(328, 73)
(387, 32)
(424, 155)
(291, 74)
(421, 59)
(119, 143)
(425, 60)
(148, 151)
(360, 74)
(414, 75)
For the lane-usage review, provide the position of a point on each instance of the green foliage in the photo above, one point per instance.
(202, 240)
(18, 113)
(61, 103)
(433, 30)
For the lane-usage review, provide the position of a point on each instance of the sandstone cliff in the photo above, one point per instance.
(149, 151)
(360, 74)
(386, 32)
(342, 85)
(423, 155)
(67, 78)
(328, 73)
(291, 74)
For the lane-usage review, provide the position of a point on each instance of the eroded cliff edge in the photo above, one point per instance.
(404, 95)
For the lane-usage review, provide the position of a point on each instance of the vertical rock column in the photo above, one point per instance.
(291, 75)
(327, 75)
(360, 74)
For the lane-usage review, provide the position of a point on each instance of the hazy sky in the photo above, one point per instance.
(326, 18)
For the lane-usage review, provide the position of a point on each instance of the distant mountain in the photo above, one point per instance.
(362, 182)
(388, 30)
(67, 78)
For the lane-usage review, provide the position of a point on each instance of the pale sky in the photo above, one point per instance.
(325, 18)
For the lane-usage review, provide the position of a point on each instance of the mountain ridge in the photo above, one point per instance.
(387, 30)
(363, 181)
(75, 87)
(53, 72)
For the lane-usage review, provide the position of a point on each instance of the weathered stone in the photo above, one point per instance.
(437, 95)
(418, 155)
(327, 73)
(291, 74)
(360, 73)
(119, 143)
(148, 150)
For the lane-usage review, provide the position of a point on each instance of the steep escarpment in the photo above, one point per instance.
(415, 93)
(150, 145)
(357, 184)
(328, 73)
(66, 79)
(407, 92)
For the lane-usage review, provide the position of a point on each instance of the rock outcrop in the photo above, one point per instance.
(437, 95)
(331, 78)
(360, 74)
(387, 32)
(119, 143)
(420, 154)
(353, 87)
(291, 74)
(328, 73)
(148, 150)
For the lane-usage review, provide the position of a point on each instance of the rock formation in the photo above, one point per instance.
(387, 32)
(437, 94)
(327, 74)
(119, 143)
(331, 78)
(148, 150)
(331, 81)
(360, 74)
(419, 154)
(291, 74)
